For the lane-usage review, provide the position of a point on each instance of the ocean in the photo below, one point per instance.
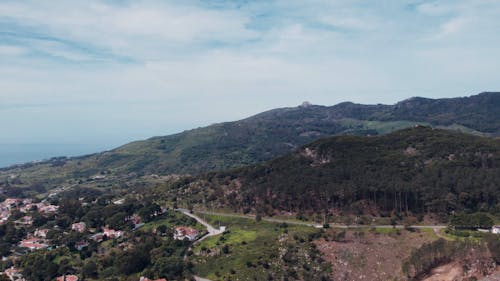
(11, 154)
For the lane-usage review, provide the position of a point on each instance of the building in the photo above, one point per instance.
(111, 233)
(26, 220)
(79, 226)
(495, 229)
(41, 233)
(4, 216)
(14, 274)
(182, 232)
(81, 245)
(67, 278)
(11, 203)
(147, 279)
(43, 208)
(98, 237)
(135, 219)
(33, 243)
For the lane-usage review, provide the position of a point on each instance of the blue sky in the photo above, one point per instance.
(108, 72)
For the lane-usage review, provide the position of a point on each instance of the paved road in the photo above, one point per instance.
(333, 225)
(214, 231)
(211, 230)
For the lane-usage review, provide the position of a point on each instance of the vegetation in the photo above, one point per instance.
(471, 221)
(430, 255)
(412, 171)
(263, 137)
(149, 251)
(252, 250)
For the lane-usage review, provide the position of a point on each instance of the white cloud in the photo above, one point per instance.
(6, 51)
(174, 65)
(140, 29)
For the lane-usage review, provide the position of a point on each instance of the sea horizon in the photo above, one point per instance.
(14, 154)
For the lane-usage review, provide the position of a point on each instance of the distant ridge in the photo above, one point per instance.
(273, 133)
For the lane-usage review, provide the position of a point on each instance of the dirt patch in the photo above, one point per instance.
(448, 272)
(475, 265)
(368, 255)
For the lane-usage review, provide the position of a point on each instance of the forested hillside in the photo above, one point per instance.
(267, 135)
(414, 170)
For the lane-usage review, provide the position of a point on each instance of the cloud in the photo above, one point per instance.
(155, 67)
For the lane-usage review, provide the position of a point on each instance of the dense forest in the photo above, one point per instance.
(415, 170)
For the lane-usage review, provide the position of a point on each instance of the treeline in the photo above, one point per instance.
(471, 221)
(415, 170)
(422, 260)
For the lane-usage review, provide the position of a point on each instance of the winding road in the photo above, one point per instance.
(212, 231)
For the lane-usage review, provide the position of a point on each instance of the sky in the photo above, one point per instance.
(97, 74)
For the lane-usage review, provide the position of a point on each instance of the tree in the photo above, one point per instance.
(161, 229)
(258, 217)
(90, 269)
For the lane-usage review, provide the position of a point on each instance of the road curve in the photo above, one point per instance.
(212, 231)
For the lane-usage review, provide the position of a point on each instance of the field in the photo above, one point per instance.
(252, 250)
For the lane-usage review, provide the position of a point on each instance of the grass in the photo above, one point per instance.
(474, 236)
(386, 230)
(172, 219)
(252, 247)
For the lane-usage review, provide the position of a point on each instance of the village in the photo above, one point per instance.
(27, 214)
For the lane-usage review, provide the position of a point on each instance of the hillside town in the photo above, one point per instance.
(39, 226)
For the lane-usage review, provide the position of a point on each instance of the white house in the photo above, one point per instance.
(182, 232)
(495, 229)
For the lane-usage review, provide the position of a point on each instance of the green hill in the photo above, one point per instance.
(267, 135)
(413, 170)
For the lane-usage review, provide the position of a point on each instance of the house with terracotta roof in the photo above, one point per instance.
(41, 233)
(47, 208)
(182, 232)
(26, 220)
(136, 220)
(14, 274)
(79, 227)
(33, 243)
(111, 233)
(67, 278)
(11, 203)
(4, 216)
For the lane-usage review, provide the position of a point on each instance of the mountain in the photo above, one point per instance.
(267, 135)
(414, 170)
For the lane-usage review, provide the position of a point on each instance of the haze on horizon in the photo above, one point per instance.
(84, 76)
